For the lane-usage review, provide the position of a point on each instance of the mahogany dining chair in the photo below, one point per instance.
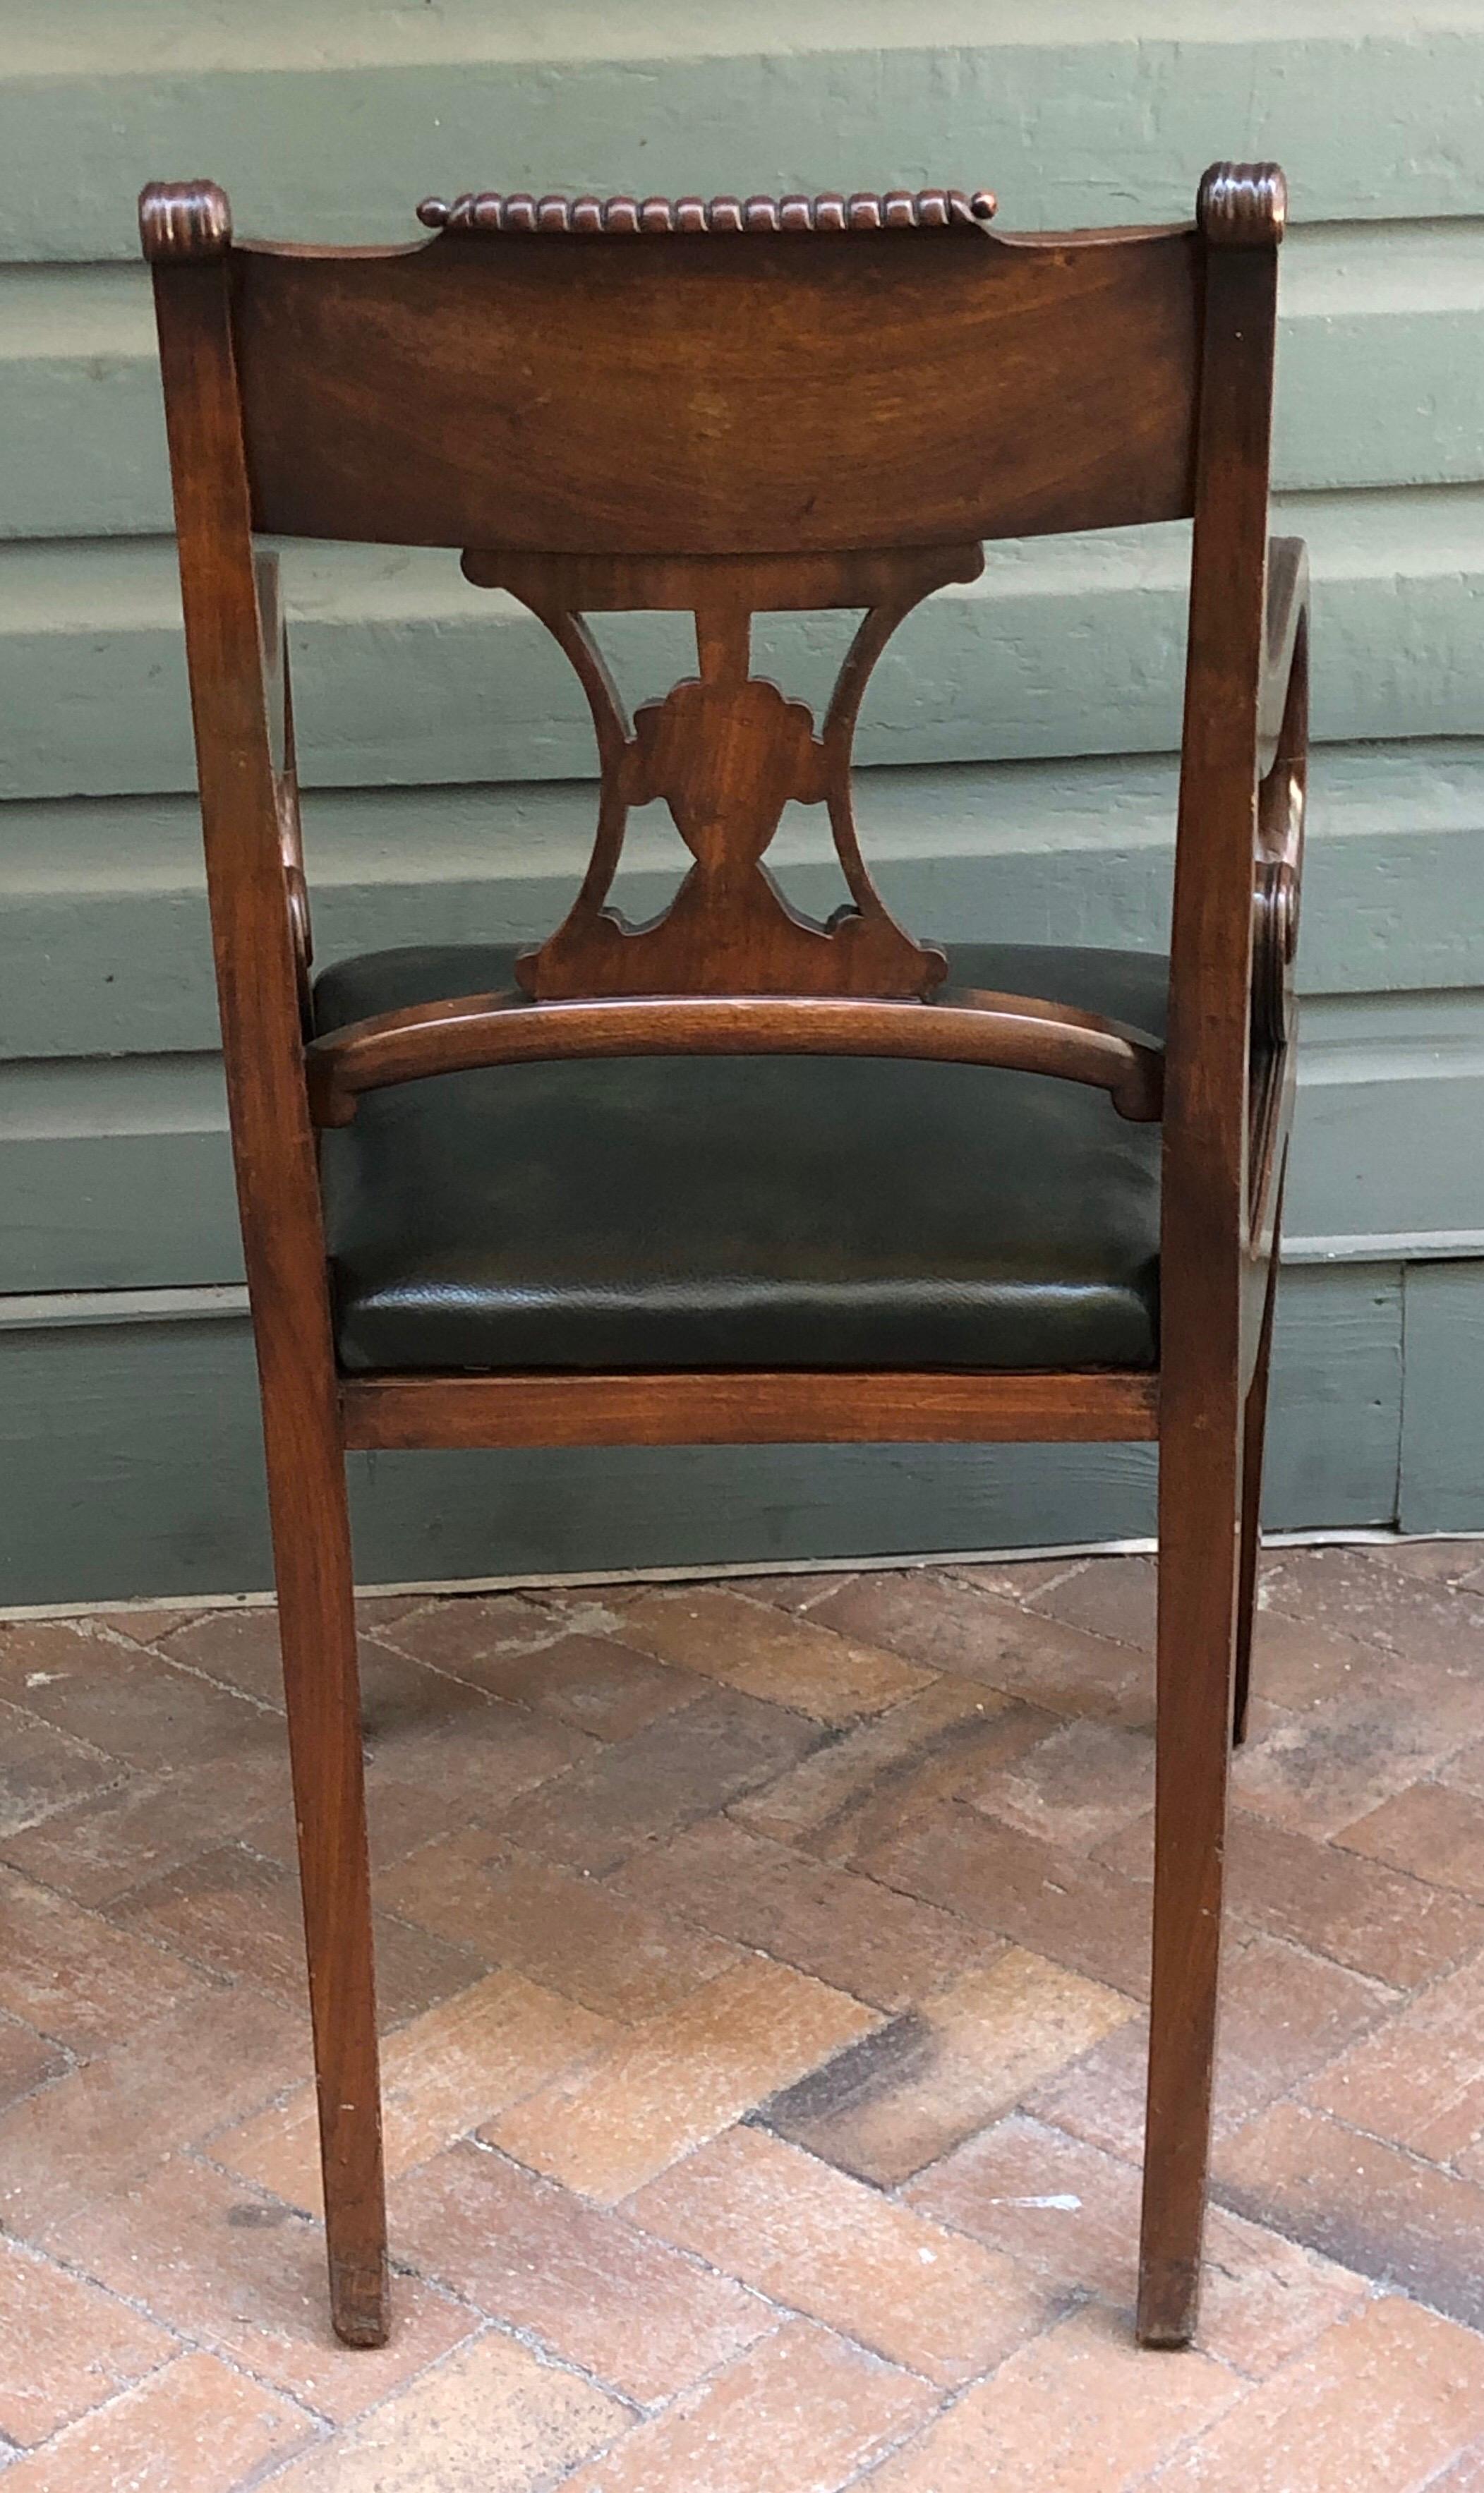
(737, 1175)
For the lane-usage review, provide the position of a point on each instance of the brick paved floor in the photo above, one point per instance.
(761, 1966)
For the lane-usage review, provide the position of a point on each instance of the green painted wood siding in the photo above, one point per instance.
(1017, 743)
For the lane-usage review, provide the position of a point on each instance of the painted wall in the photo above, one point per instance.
(1018, 739)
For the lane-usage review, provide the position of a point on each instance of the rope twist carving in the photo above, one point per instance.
(488, 212)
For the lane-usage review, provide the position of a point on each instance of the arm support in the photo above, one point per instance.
(1278, 862)
(1285, 632)
(277, 698)
(1282, 737)
(965, 1027)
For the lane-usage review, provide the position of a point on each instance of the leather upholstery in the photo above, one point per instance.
(743, 1212)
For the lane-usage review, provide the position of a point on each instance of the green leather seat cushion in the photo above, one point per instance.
(743, 1212)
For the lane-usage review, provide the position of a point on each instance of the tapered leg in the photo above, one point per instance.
(317, 1630)
(1200, 1489)
(1253, 1432)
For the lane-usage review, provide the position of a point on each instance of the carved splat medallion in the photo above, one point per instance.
(727, 751)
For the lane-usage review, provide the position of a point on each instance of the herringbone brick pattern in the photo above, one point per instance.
(763, 1965)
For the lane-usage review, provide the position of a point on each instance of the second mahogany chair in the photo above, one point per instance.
(735, 1175)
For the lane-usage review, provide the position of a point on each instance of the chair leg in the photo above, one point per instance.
(316, 1633)
(1201, 1540)
(1253, 1432)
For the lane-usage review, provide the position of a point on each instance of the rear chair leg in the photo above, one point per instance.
(316, 1632)
(1201, 1550)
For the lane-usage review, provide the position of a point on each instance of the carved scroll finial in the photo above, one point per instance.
(1242, 207)
(185, 221)
(495, 212)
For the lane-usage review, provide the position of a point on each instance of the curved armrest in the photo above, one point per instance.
(1022, 1032)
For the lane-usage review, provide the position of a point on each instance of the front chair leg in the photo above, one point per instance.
(1201, 1485)
(316, 1632)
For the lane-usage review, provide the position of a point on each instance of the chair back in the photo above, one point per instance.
(727, 409)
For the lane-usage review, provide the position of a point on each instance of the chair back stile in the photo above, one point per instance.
(1209, 1046)
(1218, 1262)
(260, 931)
(254, 875)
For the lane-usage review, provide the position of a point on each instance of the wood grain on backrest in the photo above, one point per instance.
(726, 409)
(711, 391)
(720, 406)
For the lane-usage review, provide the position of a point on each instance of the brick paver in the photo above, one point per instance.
(1430, 1829)
(1419, 2078)
(80, 1979)
(761, 1966)
(810, 2236)
(454, 2067)
(860, 1789)
(1390, 2214)
(195, 2426)
(789, 1661)
(27, 2060)
(806, 2408)
(42, 1768)
(580, 1936)
(1377, 2405)
(230, 2266)
(676, 2081)
(99, 2125)
(65, 2346)
(593, 2288)
(1330, 1901)
(887, 1948)
(129, 1704)
(492, 2417)
(237, 1915)
(903, 2095)
(1078, 2411)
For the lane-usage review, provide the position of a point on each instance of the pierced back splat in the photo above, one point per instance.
(726, 751)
